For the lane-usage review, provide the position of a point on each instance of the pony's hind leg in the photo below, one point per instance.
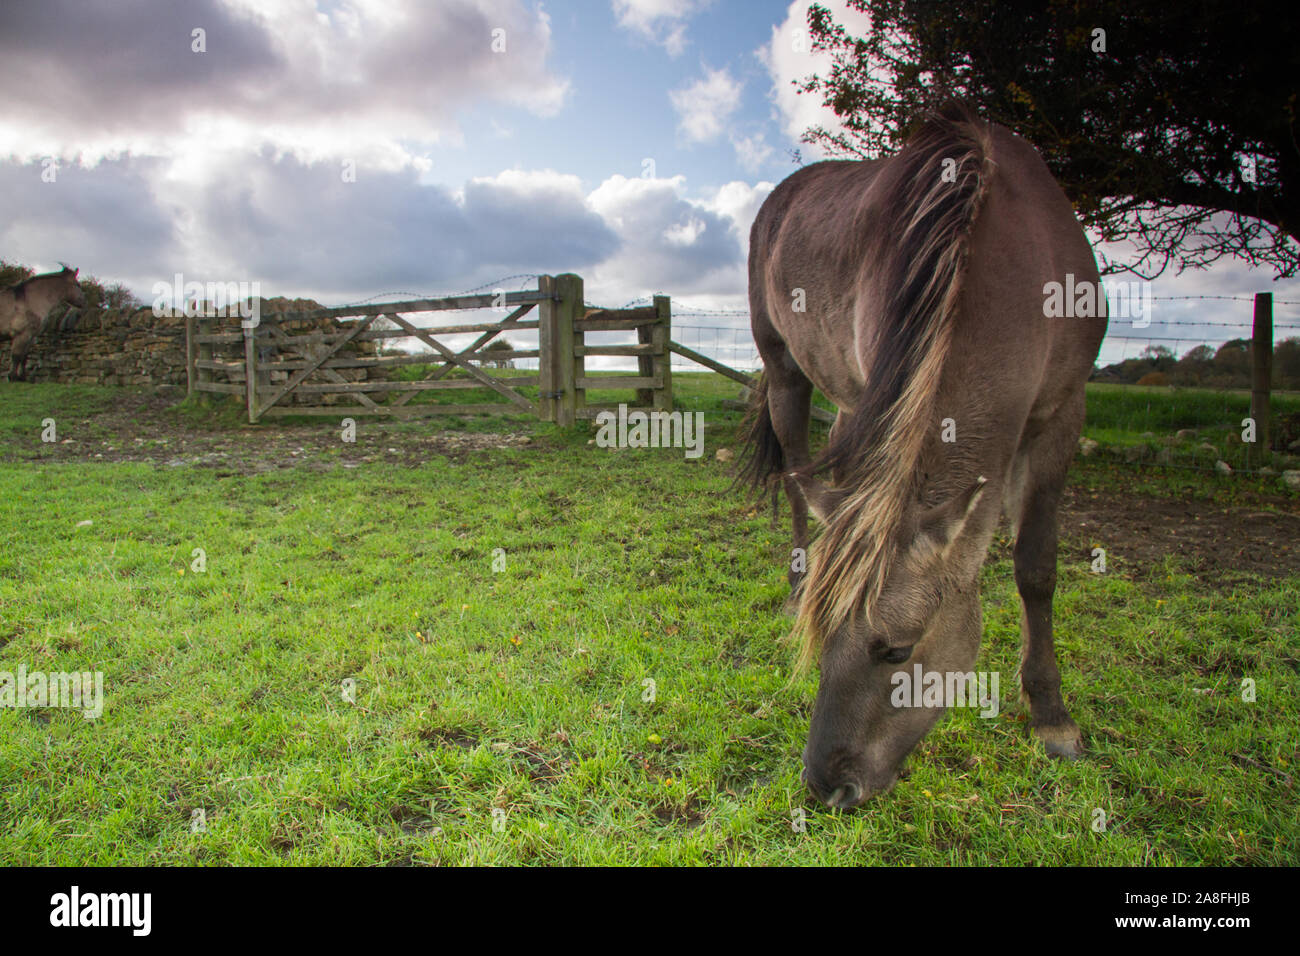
(1035, 561)
(789, 401)
(787, 408)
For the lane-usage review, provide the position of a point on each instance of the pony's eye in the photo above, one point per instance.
(896, 655)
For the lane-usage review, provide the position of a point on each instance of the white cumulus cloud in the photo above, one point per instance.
(659, 21)
(788, 57)
(358, 79)
(705, 107)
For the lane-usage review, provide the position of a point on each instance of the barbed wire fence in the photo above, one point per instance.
(734, 344)
(1147, 424)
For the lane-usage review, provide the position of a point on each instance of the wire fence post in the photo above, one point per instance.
(1261, 350)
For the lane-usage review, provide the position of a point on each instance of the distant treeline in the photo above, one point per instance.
(1228, 366)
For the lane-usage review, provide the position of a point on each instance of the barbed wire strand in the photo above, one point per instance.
(443, 295)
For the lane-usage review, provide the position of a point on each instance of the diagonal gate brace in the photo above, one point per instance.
(474, 371)
(316, 363)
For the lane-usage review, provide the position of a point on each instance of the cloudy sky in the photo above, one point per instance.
(345, 149)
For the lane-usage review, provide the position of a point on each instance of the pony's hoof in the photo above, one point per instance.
(1063, 740)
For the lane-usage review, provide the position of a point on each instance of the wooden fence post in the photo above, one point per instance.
(250, 373)
(191, 355)
(570, 306)
(661, 365)
(204, 325)
(266, 352)
(547, 372)
(579, 360)
(1261, 350)
(645, 364)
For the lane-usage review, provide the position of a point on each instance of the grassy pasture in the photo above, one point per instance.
(500, 716)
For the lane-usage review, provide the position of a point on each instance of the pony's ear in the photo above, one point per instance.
(822, 499)
(943, 523)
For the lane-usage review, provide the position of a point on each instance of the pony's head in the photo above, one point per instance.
(925, 612)
(73, 291)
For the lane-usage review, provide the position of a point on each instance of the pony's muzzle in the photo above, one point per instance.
(844, 796)
(840, 795)
(842, 785)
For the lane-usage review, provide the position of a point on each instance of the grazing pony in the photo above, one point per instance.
(911, 291)
(25, 311)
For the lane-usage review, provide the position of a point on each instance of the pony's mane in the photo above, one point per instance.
(922, 225)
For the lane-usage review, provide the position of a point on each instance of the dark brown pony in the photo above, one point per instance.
(911, 290)
(25, 311)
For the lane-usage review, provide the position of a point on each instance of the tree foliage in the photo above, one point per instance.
(12, 273)
(1173, 128)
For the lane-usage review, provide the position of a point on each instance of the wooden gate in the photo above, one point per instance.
(653, 381)
(279, 371)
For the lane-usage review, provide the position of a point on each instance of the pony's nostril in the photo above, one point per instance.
(844, 796)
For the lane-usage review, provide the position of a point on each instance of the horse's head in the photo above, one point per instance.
(864, 721)
(73, 293)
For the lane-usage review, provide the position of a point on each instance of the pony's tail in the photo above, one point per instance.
(763, 458)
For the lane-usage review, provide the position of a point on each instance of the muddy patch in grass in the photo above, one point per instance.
(418, 820)
(146, 427)
(541, 767)
(1221, 545)
(450, 737)
(688, 816)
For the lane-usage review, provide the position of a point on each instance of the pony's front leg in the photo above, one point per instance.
(1035, 562)
(18, 357)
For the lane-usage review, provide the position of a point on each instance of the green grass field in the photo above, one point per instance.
(501, 716)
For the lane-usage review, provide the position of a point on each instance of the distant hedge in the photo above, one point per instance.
(1227, 367)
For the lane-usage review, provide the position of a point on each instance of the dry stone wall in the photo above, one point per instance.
(140, 348)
